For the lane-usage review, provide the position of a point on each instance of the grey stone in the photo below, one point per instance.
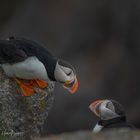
(22, 117)
(122, 134)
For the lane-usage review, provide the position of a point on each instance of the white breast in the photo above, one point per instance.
(97, 128)
(31, 68)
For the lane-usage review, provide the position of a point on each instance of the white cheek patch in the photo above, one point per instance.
(66, 70)
(69, 74)
(107, 113)
(61, 72)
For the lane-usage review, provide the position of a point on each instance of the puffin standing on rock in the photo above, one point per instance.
(111, 114)
(32, 65)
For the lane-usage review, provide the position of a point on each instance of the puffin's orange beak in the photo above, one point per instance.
(74, 88)
(71, 86)
(94, 106)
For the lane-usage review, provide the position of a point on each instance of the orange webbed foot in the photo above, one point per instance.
(26, 89)
(39, 83)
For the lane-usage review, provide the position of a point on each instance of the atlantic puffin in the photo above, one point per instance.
(31, 64)
(111, 114)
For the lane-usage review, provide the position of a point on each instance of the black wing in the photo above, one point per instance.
(10, 53)
(18, 49)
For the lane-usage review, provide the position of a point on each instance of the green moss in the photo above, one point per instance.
(3, 137)
(42, 105)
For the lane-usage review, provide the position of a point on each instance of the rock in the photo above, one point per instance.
(22, 117)
(122, 134)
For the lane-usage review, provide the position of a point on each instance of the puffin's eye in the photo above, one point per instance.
(109, 106)
(69, 73)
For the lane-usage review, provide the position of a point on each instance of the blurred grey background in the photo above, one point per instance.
(100, 38)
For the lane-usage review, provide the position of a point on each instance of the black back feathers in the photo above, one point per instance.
(18, 49)
(118, 108)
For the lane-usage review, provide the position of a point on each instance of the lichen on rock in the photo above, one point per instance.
(22, 117)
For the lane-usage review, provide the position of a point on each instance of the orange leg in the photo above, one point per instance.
(25, 87)
(39, 83)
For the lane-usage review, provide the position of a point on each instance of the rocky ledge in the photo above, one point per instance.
(22, 117)
(122, 134)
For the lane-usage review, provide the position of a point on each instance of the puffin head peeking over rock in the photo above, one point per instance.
(32, 65)
(111, 114)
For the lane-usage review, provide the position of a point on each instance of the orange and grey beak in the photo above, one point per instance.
(95, 107)
(71, 86)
